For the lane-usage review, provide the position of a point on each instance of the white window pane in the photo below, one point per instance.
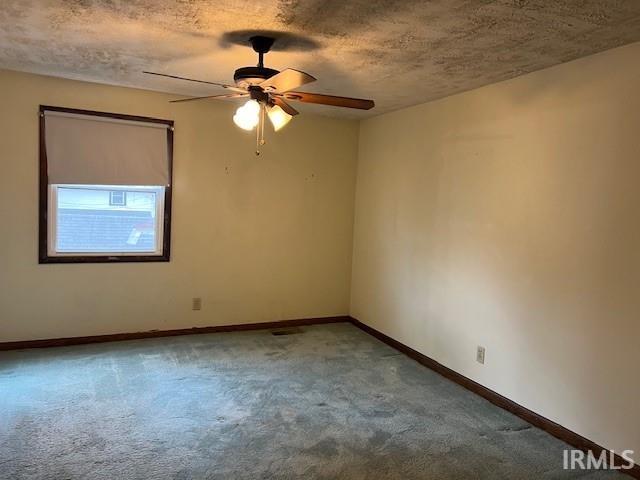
(104, 219)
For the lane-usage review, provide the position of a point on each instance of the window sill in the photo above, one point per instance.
(104, 259)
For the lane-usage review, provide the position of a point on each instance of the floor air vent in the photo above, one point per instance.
(286, 331)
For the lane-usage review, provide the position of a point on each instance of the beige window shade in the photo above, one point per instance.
(92, 150)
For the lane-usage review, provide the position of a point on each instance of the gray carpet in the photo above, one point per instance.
(329, 402)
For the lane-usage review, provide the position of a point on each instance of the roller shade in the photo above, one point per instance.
(94, 150)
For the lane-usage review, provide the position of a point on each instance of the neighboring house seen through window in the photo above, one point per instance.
(118, 197)
(89, 221)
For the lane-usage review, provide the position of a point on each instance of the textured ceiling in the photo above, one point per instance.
(398, 53)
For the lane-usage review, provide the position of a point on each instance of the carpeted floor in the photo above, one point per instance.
(329, 402)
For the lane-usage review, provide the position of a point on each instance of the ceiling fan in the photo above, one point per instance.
(269, 92)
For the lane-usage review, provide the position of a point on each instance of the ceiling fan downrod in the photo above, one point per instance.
(261, 45)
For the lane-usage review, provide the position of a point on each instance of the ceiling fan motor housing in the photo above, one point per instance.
(247, 76)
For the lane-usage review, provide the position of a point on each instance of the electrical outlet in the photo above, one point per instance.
(480, 355)
(196, 303)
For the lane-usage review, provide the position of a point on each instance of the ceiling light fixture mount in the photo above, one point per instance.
(268, 91)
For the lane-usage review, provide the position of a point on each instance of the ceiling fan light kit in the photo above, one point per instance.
(269, 92)
(248, 115)
(278, 117)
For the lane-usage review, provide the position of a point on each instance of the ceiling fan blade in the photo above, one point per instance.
(285, 106)
(223, 85)
(332, 100)
(287, 80)
(229, 95)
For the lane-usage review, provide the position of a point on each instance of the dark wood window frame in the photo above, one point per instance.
(43, 246)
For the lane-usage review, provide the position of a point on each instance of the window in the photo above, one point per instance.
(118, 197)
(85, 220)
(105, 186)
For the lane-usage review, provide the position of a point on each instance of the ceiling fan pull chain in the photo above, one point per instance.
(263, 109)
(260, 129)
(258, 141)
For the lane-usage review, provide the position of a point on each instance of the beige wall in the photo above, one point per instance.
(258, 239)
(509, 217)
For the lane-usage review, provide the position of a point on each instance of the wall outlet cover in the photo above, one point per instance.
(480, 355)
(196, 303)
